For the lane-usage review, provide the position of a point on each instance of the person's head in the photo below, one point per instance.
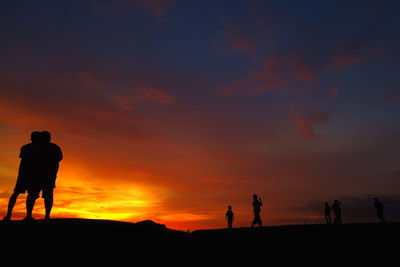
(255, 196)
(35, 136)
(229, 207)
(45, 136)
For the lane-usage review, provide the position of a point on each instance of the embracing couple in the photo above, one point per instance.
(37, 172)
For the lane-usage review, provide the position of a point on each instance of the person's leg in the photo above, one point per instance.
(258, 219)
(11, 204)
(30, 203)
(48, 204)
(380, 216)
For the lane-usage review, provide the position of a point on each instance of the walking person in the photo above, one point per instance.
(229, 216)
(379, 210)
(257, 203)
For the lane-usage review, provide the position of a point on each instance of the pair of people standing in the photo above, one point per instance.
(337, 211)
(257, 203)
(37, 172)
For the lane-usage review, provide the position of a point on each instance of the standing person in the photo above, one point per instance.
(338, 212)
(51, 155)
(48, 157)
(328, 213)
(229, 216)
(256, 209)
(379, 210)
(26, 171)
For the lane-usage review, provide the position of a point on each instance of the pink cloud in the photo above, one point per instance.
(348, 54)
(306, 125)
(237, 38)
(127, 101)
(128, 97)
(274, 74)
(343, 60)
(333, 91)
(159, 8)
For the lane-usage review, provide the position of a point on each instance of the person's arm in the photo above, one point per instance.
(260, 201)
(21, 152)
(59, 154)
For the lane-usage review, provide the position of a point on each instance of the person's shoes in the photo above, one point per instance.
(47, 218)
(6, 218)
(28, 219)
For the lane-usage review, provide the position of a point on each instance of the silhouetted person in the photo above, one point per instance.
(338, 212)
(26, 171)
(229, 216)
(48, 157)
(379, 210)
(256, 209)
(328, 213)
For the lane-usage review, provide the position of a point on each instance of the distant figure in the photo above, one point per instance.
(257, 209)
(338, 212)
(379, 210)
(328, 213)
(26, 171)
(48, 157)
(229, 216)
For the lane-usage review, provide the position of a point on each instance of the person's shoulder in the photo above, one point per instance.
(26, 146)
(53, 146)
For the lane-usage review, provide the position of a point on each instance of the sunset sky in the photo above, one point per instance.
(171, 110)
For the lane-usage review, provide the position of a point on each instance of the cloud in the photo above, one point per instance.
(306, 124)
(127, 96)
(333, 91)
(285, 57)
(159, 8)
(391, 96)
(238, 37)
(348, 54)
(126, 102)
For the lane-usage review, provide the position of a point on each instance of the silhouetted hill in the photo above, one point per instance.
(96, 241)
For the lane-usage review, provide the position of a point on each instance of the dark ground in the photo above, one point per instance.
(102, 241)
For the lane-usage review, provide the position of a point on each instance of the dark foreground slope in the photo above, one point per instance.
(100, 241)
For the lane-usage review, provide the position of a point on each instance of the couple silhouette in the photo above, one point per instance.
(337, 211)
(37, 172)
